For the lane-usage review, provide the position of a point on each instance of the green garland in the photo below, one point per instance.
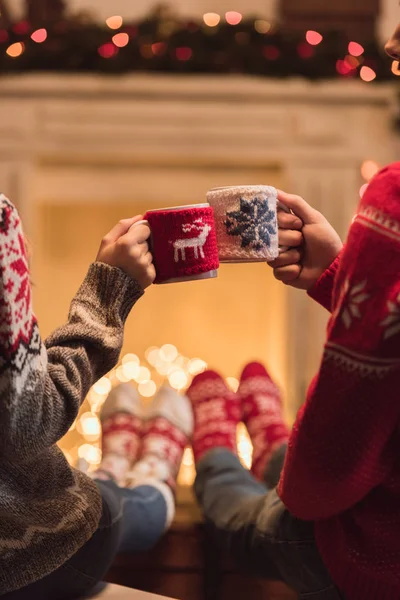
(162, 45)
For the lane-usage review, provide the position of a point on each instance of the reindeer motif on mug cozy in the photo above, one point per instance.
(197, 243)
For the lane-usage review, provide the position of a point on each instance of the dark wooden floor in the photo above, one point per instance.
(186, 565)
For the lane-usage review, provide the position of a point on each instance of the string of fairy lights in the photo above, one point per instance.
(160, 366)
(216, 43)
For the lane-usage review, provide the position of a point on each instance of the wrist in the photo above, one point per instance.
(109, 290)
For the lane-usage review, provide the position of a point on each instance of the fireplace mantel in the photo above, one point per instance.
(55, 129)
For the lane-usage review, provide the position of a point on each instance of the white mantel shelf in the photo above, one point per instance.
(208, 87)
(68, 137)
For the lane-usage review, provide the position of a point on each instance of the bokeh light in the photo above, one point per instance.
(233, 18)
(15, 50)
(367, 74)
(369, 169)
(39, 36)
(121, 40)
(262, 26)
(314, 38)
(115, 22)
(211, 19)
(355, 49)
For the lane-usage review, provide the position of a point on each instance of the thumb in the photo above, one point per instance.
(298, 206)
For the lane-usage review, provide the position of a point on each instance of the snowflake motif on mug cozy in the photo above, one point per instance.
(254, 223)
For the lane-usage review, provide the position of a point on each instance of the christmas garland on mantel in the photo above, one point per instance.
(167, 44)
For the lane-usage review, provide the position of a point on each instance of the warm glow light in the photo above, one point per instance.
(103, 386)
(121, 39)
(196, 366)
(178, 379)
(162, 367)
(369, 169)
(262, 26)
(211, 19)
(95, 400)
(15, 50)
(152, 355)
(367, 74)
(233, 18)
(244, 446)
(168, 352)
(115, 22)
(314, 38)
(121, 375)
(90, 453)
(69, 458)
(131, 370)
(130, 358)
(395, 68)
(39, 36)
(159, 48)
(352, 61)
(143, 375)
(355, 49)
(147, 389)
(108, 50)
(90, 425)
(187, 471)
(233, 383)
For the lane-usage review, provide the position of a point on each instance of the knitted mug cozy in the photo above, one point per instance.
(184, 243)
(246, 222)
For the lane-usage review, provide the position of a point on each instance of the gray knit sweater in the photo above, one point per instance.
(48, 510)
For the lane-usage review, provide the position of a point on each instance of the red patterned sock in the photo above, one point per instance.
(121, 425)
(166, 433)
(216, 414)
(262, 415)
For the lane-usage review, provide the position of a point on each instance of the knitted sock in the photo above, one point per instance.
(216, 414)
(262, 415)
(166, 433)
(121, 418)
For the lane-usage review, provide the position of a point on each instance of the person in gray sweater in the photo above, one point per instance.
(59, 529)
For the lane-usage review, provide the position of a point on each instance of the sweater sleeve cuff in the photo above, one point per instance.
(322, 290)
(109, 290)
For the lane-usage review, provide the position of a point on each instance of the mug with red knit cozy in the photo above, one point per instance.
(183, 243)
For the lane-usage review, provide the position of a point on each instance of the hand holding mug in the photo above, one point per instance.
(313, 243)
(126, 247)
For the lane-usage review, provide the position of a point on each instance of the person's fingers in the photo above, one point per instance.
(148, 259)
(290, 238)
(138, 234)
(298, 205)
(287, 274)
(289, 221)
(120, 229)
(290, 257)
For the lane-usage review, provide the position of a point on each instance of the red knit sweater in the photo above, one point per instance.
(343, 463)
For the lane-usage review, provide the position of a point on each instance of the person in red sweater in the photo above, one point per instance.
(331, 527)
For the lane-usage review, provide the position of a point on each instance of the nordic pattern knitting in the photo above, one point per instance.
(48, 510)
(342, 469)
(246, 223)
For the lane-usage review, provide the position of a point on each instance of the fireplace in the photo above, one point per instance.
(79, 153)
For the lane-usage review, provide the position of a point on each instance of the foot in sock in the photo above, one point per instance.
(122, 421)
(166, 432)
(262, 413)
(217, 413)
